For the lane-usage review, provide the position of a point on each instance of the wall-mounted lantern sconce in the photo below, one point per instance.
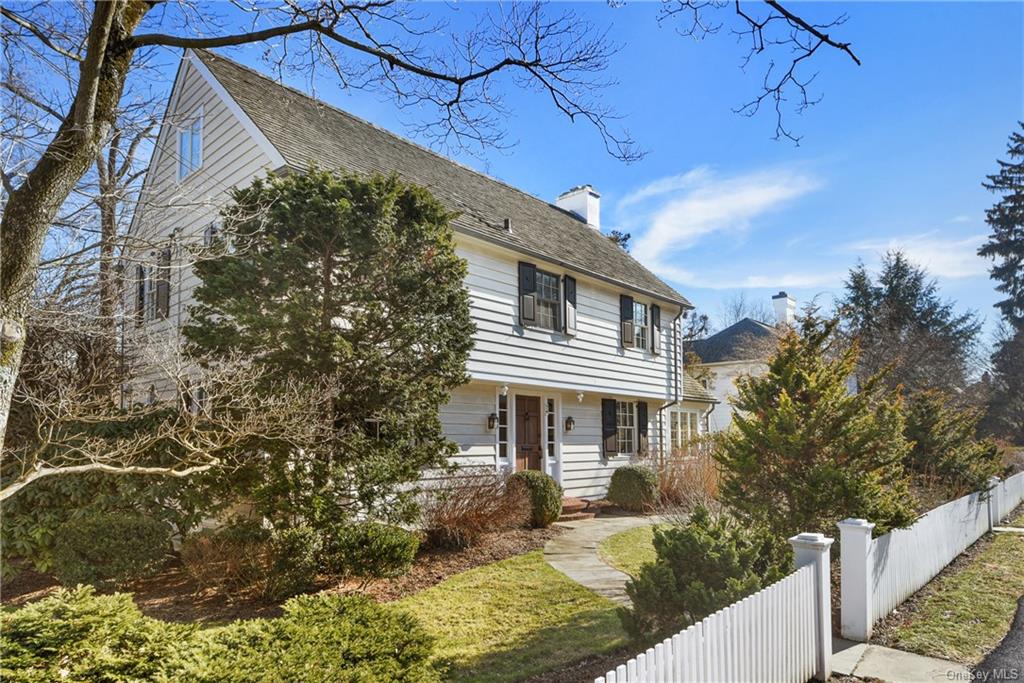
(579, 397)
(570, 424)
(504, 390)
(492, 421)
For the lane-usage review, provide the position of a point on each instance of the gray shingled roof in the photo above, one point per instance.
(305, 130)
(736, 342)
(695, 391)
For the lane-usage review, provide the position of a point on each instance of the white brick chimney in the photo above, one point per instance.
(585, 202)
(785, 308)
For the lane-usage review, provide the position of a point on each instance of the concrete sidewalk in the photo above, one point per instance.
(574, 553)
(864, 660)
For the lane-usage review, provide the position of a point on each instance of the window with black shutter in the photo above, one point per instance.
(626, 320)
(609, 428)
(569, 285)
(527, 293)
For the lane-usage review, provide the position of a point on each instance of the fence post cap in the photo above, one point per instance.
(856, 523)
(809, 540)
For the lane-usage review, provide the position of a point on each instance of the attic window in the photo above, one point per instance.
(190, 146)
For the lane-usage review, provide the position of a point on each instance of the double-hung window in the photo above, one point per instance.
(548, 300)
(625, 427)
(683, 427)
(640, 325)
(190, 146)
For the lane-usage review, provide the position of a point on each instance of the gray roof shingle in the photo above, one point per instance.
(739, 341)
(307, 131)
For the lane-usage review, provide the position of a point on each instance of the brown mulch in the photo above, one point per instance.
(172, 595)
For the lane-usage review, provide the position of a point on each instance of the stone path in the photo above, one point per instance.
(875, 662)
(574, 553)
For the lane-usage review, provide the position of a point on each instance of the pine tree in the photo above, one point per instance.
(904, 327)
(1006, 242)
(353, 281)
(805, 452)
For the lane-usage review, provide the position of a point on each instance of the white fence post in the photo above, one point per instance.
(813, 549)
(995, 496)
(856, 579)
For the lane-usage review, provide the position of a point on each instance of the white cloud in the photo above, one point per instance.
(671, 214)
(949, 257)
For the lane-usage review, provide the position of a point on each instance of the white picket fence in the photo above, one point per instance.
(781, 633)
(877, 575)
(1007, 495)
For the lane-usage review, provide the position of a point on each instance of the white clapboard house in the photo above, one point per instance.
(576, 367)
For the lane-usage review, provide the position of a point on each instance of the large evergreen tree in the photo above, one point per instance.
(904, 327)
(805, 452)
(353, 281)
(1006, 219)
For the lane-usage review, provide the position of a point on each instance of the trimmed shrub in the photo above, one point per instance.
(460, 509)
(108, 549)
(323, 638)
(247, 557)
(76, 635)
(292, 562)
(634, 487)
(228, 558)
(702, 565)
(545, 496)
(370, 550)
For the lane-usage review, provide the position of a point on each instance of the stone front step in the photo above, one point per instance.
(573, 505)
(576, 516)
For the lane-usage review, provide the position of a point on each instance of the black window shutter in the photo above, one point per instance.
(655, 329)
(641, 427)
(569, 317)
(163, 284)
(140, 294)
(527, 293)
(626, 320)
(608, 428)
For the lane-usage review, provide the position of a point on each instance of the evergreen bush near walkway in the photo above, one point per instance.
(634, 488)
(76, 635)
(545, 496)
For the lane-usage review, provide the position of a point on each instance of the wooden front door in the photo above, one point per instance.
(528, 441)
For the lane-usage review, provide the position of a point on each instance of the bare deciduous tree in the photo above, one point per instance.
(217, 429)
(739, 306)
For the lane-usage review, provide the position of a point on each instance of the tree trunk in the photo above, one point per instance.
(32, 206)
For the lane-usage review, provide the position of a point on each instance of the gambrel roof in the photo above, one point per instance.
(307, 131)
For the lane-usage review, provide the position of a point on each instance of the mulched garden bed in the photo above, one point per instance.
(171, 595)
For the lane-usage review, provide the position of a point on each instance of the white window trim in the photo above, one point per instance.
(687, 412)
(551, 467)
(635, 427)
(186, 126)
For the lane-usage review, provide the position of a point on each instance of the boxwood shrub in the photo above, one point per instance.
(545, 496)
(369, 550)
(110, 548)
(634, 488)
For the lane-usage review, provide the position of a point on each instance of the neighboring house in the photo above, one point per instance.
(576, 367)
(741, 349)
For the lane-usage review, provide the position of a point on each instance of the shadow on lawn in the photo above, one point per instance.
(586, 634)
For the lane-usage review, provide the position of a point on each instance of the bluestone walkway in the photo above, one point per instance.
(874, 662)
(574, 553)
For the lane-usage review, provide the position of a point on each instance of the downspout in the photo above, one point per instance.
(676, 340)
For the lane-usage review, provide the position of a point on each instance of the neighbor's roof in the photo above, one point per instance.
(307, 131)
(736, 342)
(695, 391)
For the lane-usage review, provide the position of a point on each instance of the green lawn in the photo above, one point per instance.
(513, 619)
(963, 615)
(627, 550)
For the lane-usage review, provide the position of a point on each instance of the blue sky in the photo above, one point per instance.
(893, 155)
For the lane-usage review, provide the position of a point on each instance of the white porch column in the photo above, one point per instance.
(813, 549)
(855, 584)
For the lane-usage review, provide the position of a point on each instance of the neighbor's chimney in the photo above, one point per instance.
(585, 202)
(785, 308)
